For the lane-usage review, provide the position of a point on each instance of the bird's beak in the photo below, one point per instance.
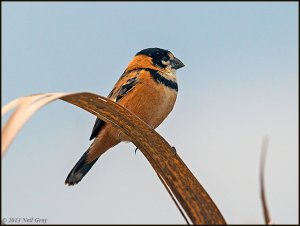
(176, 63)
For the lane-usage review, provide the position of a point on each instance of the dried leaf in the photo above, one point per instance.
(188, 191)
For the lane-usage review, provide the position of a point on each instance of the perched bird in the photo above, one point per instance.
(148, 88)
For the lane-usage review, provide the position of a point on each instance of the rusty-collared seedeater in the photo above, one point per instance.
(148, 88)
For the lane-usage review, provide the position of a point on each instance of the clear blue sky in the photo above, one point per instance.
(239, 84)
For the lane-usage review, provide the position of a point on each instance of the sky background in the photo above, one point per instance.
(239, 84)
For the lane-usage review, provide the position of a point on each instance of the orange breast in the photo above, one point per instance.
(151, 101)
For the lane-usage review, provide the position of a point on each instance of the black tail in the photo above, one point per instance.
(79, 170)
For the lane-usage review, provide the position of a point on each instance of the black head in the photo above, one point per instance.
(161, 57)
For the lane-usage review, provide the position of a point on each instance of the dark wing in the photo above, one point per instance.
(128, 86)
(97, 127)
(119, 94)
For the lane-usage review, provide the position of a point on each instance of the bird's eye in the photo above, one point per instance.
(166, 59)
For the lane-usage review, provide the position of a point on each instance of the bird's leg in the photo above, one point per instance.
(135, 150)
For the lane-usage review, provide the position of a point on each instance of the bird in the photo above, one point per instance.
(148, 88)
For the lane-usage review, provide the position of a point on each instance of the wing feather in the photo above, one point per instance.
(116, 94)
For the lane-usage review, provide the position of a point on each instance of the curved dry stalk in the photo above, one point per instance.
(188, 191)
(174, 200)
(263, 157)
(26, 107)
